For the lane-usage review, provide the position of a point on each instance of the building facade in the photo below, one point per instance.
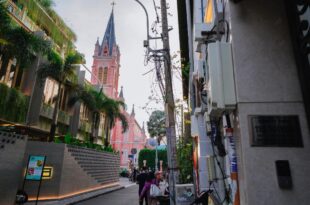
(249, 98)
(106, 72)
(27, 101)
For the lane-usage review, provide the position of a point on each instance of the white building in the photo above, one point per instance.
(249, 63)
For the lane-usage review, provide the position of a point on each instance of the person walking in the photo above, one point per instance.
(141, 178)
(151, 180)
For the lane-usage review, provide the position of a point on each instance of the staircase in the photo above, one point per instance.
(101, 166)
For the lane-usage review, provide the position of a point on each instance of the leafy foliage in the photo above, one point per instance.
(16, 42)
(124, 173)
(46, 3)
(63, 71)
(185, 162)
(59, 69)
(13, 104)
(149, 156)
(41, 12)
(68, 139)
(98, 102)
(5, 23)
(156, 125)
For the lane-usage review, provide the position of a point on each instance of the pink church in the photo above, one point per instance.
(106, 72)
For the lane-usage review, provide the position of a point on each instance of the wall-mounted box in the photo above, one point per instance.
(221, 84)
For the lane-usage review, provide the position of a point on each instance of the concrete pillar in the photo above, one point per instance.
(75, 118)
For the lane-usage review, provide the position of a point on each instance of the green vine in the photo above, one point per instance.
(13, 104)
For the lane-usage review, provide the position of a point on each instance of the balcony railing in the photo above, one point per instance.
(63, 117)
(85, 126)
(47, 112)
(21, 17)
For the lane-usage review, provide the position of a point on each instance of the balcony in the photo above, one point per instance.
(47, 112)
(20, 16)
(33, 17)
(85, 126)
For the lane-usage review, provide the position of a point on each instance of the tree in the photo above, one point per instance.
(156, 125)
(185, 161)
(5, 24)
(63, 71)
(149, 156)
(97, 103)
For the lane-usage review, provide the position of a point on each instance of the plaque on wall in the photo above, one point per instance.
(275, 131)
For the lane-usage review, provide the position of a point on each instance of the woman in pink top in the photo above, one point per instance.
(146, 189)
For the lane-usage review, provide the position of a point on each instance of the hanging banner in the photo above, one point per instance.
(233, 166)
(35, 168)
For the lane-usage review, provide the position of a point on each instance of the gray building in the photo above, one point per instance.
(248, 67)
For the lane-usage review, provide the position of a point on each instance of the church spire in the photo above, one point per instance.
(133, 110)
(143, 128)
(121, 94)
(109, 39)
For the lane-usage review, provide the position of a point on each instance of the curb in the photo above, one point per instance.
(98, 195)
(80, 198)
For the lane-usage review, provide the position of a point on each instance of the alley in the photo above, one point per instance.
(127, 196)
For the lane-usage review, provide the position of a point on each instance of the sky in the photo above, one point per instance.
(89, 18)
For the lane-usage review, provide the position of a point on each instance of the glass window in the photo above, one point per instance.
(105, 76)
(100, 74)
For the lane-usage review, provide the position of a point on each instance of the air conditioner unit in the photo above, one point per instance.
(184, 194)
(221, 84)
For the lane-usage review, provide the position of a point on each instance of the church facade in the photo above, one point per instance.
(106, 72)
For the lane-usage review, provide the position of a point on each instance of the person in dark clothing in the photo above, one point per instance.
(141, 178)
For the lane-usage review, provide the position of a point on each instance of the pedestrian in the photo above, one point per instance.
(134, 175)
(141, 178)
(151, 180)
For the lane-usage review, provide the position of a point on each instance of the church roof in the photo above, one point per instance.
(121, 94)
(133, 110)
(109, 35)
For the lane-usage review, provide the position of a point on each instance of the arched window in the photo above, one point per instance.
(105, 75)
(100, 74)
(105, 51)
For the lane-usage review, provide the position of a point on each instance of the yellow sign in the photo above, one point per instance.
(47, 172)
(209, 12)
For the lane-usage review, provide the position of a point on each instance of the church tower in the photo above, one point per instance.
(106, 61)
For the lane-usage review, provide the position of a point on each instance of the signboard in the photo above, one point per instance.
(276, 131)
(184, 194)
(35, 168)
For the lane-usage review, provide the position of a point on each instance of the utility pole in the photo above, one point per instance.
(169, 107)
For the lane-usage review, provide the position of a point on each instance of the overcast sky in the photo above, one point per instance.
(88, 19)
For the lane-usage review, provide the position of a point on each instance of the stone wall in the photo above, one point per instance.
(12, 149)
(75, 170)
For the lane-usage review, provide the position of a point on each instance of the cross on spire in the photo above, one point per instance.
(113, 4)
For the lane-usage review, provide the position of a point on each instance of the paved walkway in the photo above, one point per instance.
(125, 182)
(122, 197)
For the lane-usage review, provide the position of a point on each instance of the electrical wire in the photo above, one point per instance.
(227, 192)
(155, 7)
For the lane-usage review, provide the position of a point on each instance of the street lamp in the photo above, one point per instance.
(146, 42)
